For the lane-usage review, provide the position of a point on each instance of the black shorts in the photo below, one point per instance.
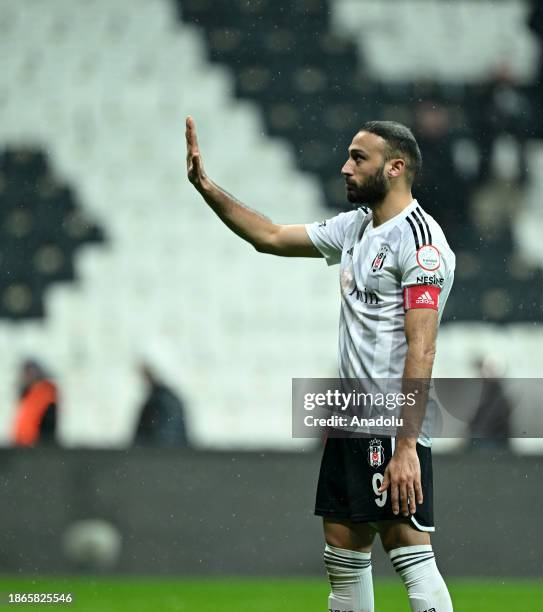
(352, 471)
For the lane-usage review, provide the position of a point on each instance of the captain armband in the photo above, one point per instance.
(421, 296)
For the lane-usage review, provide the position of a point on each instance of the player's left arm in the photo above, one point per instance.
(403, 471)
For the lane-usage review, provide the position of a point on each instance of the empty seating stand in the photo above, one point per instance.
(41, 227)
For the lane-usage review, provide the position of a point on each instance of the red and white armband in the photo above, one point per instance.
(421, 296)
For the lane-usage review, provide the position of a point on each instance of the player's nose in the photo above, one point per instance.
(346, 170)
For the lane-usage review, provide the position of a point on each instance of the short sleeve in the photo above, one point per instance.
(329, 235)
(425, 265)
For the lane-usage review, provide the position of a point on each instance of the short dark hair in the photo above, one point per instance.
(400, 142)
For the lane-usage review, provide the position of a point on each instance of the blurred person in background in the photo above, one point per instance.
(396, 273)
(162, 418)
(535, 22)
(36, 416)
(440, 184)
(501, 109)
(489, 428)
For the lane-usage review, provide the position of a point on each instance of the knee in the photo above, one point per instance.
(398, 534)
(348, 536)
(339, 540)
(391, 540)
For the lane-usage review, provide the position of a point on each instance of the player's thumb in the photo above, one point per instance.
(386, 483)
(197, 164)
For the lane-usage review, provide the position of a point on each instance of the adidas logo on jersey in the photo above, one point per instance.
(425, 298)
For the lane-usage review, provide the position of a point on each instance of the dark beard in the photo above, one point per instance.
(374, 190)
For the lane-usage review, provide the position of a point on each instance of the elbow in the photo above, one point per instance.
(428, 354)
(424, 354)
(266, 244)
(263, 247)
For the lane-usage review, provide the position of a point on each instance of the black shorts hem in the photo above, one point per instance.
(359, 518)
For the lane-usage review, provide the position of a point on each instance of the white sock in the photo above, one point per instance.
(349, 573)
(425, 587)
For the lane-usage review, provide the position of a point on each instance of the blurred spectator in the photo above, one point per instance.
(440, 186)
(501, 108)
(535, 22)
(162, 420)
(36, 418)
(490, 428)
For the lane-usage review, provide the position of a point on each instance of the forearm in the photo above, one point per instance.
(265, 236)
(248, 224)
(419, 362)
(416, 379)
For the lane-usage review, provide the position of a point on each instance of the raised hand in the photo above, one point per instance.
(195, 166)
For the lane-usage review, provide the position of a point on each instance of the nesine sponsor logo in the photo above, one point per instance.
(430, 280)
(365, 296)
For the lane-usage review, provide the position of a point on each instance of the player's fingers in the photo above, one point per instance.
(418, 491)
(189, 146)
(395, 498)
(404, 499)
(192, 138)
(411, 499)
(188, 134)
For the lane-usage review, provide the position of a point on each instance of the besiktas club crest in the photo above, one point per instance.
(376, 453)
(379, 259)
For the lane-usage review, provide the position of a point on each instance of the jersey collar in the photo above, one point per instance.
(393, 220)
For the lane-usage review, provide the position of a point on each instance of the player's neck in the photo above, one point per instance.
(392, 205)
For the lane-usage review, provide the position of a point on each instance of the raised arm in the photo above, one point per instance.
(263, 234)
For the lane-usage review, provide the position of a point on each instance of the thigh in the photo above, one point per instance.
(399, 533)
(343, 533)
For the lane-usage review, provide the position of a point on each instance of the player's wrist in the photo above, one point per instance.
(406, 443)
(205, 186)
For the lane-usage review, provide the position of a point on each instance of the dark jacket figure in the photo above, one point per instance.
(491, 420)
(162, 421)
(35, 421)
(490, 425)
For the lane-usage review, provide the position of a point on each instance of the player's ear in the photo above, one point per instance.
(396, 167)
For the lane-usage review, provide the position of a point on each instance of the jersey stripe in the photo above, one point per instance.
(417, 245)
(419, 223)
(419, 211)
